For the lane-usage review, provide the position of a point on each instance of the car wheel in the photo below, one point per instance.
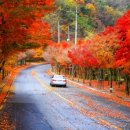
(51, 85)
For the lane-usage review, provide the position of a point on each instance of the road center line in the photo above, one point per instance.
(74, 105)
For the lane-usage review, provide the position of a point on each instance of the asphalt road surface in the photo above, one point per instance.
(34, 105)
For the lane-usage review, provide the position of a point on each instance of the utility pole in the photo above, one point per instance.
(76, 30)
(58, 31)
(68, 39)
(76, 25)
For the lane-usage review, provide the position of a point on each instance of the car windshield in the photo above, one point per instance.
(58, 76)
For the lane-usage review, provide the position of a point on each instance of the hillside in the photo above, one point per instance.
(121, 4)
(93, 16)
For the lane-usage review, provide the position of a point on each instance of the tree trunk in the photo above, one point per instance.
(127, 84)
(111, 89)
(100, 78)
(78, 73)
(83, 75)
(59, 68)
(3, 73)
(90, 77)
(73, 71)
(2, 68)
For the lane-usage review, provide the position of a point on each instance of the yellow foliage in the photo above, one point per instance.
(38, 52)
(91, 7)
(64, 28)
(103, 48)
(90, 34)
(73, 2)
(81, 14)
(11, 60)
(109, 9)
(69, 2)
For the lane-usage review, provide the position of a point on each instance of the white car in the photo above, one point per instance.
(58, 80)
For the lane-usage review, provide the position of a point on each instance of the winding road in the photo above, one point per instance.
(34, 105)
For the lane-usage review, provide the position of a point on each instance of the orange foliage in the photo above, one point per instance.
(20, 21)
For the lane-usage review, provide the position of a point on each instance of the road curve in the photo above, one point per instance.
(34, 105)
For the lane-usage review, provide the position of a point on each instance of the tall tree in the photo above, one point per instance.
(15, 19)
